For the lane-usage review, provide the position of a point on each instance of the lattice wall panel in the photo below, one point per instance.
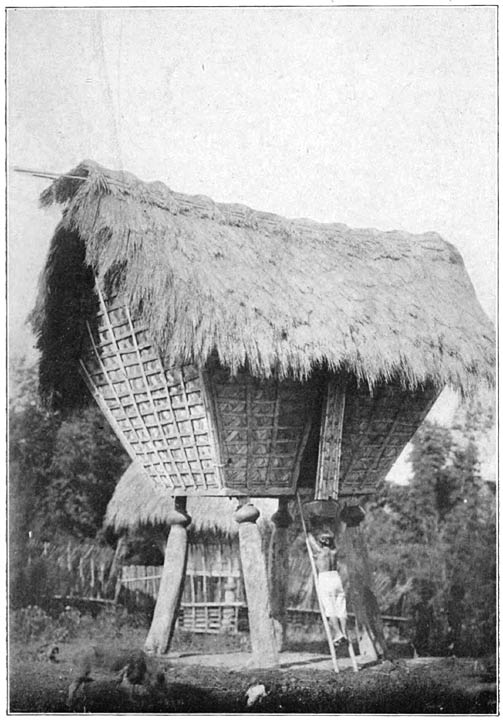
(376, 429)
(263, 428)
(159, 415)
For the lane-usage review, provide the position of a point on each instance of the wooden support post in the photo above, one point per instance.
(278, 569)
(262, 635)
(366, 647)
(172, 581)
(363, 602)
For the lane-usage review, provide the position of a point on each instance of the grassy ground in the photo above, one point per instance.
(38, 685)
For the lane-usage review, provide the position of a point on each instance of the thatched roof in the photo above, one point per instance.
(139, 500)
(283, 296)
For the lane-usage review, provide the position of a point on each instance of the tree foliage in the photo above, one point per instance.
(436, 539)
(86, 465)
(63, 470)
(32, 436)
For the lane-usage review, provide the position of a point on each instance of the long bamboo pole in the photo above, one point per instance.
(46, 174)
(315, 577)
(352, 655)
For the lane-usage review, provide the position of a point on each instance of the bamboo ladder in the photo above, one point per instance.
(322, 611)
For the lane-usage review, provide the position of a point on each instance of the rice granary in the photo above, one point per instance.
(238, 353)
(213, 598)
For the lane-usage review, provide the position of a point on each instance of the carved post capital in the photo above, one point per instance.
(282, 518)
(246, 513)
(352, 515)
(179, 515)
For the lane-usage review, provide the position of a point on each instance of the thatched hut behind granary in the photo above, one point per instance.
(213, 597)
(239, 353)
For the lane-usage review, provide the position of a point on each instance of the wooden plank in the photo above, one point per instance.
(93, 575)
(274, 435)
(212, 574)
(205, 587)
(103, 601)
(329, 458)
(192, 588)
(204, 574)
(235, 604)
(298, 458)
(141, 578)
(213, 423)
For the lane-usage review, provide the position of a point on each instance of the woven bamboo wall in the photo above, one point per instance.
(197, 432)
(263, 427)
(211, 569)
(209, 433)
(376, 429)
(159, 415)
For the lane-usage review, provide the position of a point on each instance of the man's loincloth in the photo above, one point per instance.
(332, 595)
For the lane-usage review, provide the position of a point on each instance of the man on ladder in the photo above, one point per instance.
(332, 600)
(331, 591)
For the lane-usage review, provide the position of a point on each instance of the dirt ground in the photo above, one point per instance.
(209, 675)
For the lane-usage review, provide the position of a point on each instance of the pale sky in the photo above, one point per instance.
(374, 117)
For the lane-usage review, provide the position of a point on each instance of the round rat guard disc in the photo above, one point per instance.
(322, 508)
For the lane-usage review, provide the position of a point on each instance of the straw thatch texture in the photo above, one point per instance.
(282, 296)
(139, 500)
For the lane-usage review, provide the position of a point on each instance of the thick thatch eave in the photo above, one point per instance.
(138, 500)
(282, 296)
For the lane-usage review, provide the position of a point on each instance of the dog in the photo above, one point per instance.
(134, 673)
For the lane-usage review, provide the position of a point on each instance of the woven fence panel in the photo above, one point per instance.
(263, 427)
(210, 618)
(159, 414)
